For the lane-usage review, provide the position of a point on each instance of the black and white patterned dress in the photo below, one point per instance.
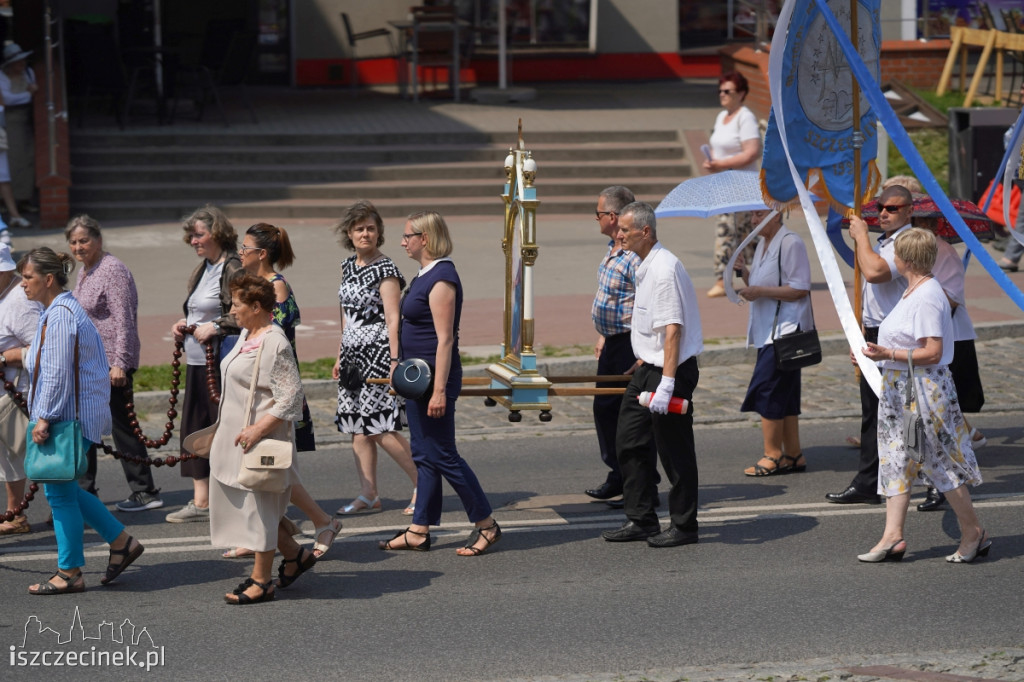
(364, 341)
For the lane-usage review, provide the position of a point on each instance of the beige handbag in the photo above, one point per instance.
(13, 424)
(199, 442)
(265, 466)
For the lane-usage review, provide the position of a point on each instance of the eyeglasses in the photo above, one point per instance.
(893, 208)
(601, 213)
(410, 235)
(727, 92)
(250, 248)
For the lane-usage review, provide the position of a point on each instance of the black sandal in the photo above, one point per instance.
(758, 470)
(793, 468)
(479, 533)
(243, 598)
(422, 547)
(127, 554)
(283, 579)
(72, 584)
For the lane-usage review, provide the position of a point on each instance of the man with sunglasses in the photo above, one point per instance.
(612, 313)
(883, 287)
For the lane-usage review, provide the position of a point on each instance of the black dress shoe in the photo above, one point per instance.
(853, 496)
(932, 501)
(631, 532)
(672, 537)
(605, 491)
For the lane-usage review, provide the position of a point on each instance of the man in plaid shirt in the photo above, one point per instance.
(612, 312)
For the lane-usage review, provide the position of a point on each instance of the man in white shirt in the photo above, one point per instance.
(883, 287)
(666, 338)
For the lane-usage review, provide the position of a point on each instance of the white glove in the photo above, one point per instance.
(659, 401)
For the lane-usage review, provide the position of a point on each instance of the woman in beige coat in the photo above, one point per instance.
(240, 516)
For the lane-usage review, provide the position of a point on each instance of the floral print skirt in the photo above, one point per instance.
(949, 460)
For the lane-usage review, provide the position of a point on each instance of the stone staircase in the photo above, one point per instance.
(160, 177)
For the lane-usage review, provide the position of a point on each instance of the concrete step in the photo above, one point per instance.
(84, 139)
(437, 186)
(349, 172)
(284, 210)
(284, 156)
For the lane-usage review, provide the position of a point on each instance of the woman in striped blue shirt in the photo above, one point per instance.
(55, 396)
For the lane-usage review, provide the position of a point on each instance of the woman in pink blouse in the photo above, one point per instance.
(106, 290)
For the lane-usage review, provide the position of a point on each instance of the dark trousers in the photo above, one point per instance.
(437, 458)
(866, 480)
(616, 358)
(138, 475)
(672, 435)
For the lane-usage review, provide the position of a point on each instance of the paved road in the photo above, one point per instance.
(772, 589)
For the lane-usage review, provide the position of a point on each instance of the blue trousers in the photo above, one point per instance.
(436, 457)
(71, 506)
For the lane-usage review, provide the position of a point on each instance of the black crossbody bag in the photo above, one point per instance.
(797, 349)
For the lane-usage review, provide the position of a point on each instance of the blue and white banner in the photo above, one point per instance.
(817, 90)
(791, 143)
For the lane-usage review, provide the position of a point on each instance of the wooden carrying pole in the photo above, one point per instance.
(858, 304)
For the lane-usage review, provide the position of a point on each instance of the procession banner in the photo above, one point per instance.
(888, 118)
(817, 91)
(802, 29)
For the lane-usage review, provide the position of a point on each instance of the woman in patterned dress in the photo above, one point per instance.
(921, 324)
(369, 297)
(264, 248)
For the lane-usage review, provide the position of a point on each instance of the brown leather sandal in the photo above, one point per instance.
(72, 584)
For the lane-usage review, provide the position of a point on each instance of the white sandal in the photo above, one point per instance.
(372, 506)
(320, 548)
(411, 509)
(975, 441)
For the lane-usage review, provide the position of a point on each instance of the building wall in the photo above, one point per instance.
(637, 26)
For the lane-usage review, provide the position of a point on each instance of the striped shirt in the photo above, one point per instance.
(53, 397)
(613, 305)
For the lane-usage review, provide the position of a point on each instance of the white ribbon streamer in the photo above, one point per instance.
(727, 281)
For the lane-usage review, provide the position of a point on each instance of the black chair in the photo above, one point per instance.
(353, 38)
(432, 46)
(224, 61)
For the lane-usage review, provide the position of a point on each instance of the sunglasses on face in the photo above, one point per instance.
(895, 208)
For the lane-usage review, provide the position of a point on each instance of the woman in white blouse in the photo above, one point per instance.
(778, 289)
(735, 144)
(921, 324)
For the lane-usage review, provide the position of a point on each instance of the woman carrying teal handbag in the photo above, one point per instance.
(70, 384)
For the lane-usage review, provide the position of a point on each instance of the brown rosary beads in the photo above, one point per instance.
(170, 460)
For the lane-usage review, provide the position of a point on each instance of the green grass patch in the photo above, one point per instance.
(933, 146)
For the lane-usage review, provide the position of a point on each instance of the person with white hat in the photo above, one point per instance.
(17, 85)
(19, 318)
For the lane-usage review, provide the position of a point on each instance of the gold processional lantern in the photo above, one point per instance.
(515, 382)
(517, 370)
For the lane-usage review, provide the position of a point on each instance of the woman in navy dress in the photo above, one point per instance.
(431, 310)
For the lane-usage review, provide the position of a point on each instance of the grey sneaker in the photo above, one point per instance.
(190, 512)
(140, 501)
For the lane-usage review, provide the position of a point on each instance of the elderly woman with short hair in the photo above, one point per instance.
(208, 305)
(262, 362)
(921, 324)
(106, 290)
